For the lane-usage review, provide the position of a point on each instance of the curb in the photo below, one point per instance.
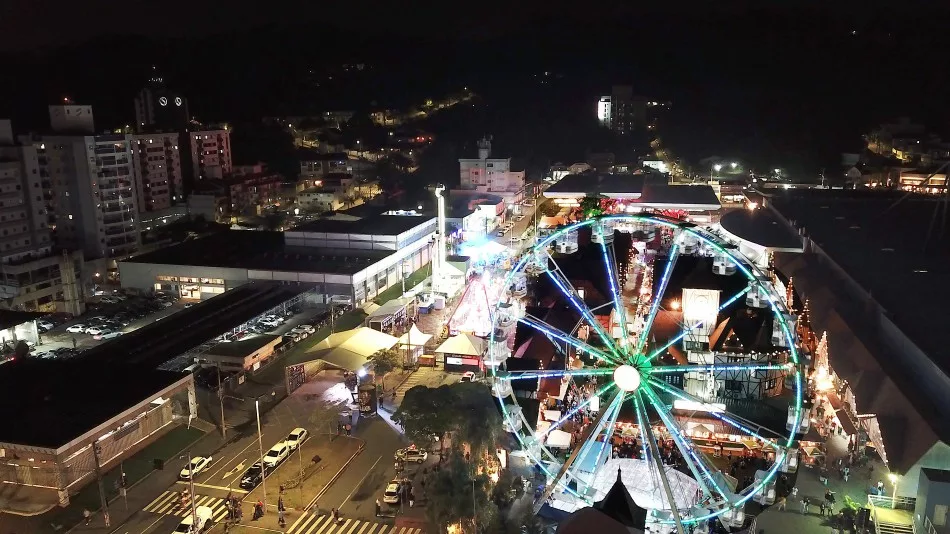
(336, 476)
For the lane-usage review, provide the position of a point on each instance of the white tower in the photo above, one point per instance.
(484, 148)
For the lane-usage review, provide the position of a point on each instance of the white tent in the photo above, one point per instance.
(463, 344)
(414, 338)
(351, 349)
(558, 439)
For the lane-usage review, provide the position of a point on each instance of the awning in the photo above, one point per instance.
(343, 358)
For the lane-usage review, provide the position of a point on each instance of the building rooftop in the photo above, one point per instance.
(309, 154)
(59, 401)
(373, 224)
(161, 341)
(762, 227)
(590, 183)
(897, 250)
(698, 196)
(9, 318)
(242, 348)
(261, 250)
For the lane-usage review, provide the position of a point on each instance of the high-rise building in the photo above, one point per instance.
(158, 171)
(92, 180)
(158, 108)
(210, 154)
(31, 274)
(622, 111)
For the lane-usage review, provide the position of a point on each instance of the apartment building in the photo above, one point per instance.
(31, 274)
(158, 171)
(210, 153)
(92, 181)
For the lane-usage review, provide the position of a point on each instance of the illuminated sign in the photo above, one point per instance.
(693, 406)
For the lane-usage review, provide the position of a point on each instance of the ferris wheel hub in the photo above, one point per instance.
(627, 378)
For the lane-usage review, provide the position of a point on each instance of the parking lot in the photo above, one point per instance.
(104, 321)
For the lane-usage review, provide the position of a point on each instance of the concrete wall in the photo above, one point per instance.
(930, 494)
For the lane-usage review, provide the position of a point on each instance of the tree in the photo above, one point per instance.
(384, 361)
(590, 206)
(549, 209)
(425, 414)
(455, 493)
(476, 419)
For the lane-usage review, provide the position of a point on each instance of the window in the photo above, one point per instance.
(770, 383)
(940, 515)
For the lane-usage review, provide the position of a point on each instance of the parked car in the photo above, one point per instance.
(96, 330)
(252, 477)
(196, 522)
(308, 327)
(392, 493)
(112, 334)
(467, 376)
(76, 328)
(412, 455)
(296, 438)
(197, 465)
(278, 453)
(45, 325)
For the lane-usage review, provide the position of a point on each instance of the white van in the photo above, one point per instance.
(197, 522)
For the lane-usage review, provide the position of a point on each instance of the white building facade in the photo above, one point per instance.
(492, 175)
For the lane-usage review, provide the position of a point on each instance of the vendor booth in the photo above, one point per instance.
(462, 353)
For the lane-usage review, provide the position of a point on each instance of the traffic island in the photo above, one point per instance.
(302, 478)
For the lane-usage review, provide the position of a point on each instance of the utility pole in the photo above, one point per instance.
(102, 490)
(224, 428)
(260, 444)
(191, 488)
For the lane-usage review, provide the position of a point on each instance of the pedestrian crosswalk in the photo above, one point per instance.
(310, 523)
(169, 503)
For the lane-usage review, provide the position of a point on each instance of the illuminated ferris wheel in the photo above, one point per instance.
(673, 409)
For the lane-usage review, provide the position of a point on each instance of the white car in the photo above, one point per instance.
(296, 438)
(196, 522)
(278, 453)
(391, 495)
(76, 329)
(96, 330)
(197, 465)
(412, 455)
(45, 325)
(308, 327)
(108, 335)
(467, 376)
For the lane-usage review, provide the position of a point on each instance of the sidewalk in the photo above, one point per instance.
(142, 477)
(793, 521)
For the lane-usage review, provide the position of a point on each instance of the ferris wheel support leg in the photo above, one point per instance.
(574, 455)
(658, 464)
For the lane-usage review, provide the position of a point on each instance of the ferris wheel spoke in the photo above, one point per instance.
(557, 276)
(566, 417)
(554, 373)
(720, 367)
(658, 296)
(646, 435)
(609, 254)
(687, 331)
(738, 422)
(695, 461)
(613, 411)
(558, 334)
(574, 455)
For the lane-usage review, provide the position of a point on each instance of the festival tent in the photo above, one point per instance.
(463, 345)
(351, 350)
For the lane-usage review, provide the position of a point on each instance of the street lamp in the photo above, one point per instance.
(260, 444)
(894, 478)
(733, 165)
(717, 167)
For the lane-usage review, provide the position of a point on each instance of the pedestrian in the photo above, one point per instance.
(280, 518)
(781, 504)
(74, 343)
(821, 508)
(804, 505)
(794, 492)
(378, 507)
(87, 515)
(880, 487)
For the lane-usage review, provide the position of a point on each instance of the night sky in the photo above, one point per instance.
(796, 82)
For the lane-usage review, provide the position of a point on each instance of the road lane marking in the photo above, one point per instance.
(360, 483)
